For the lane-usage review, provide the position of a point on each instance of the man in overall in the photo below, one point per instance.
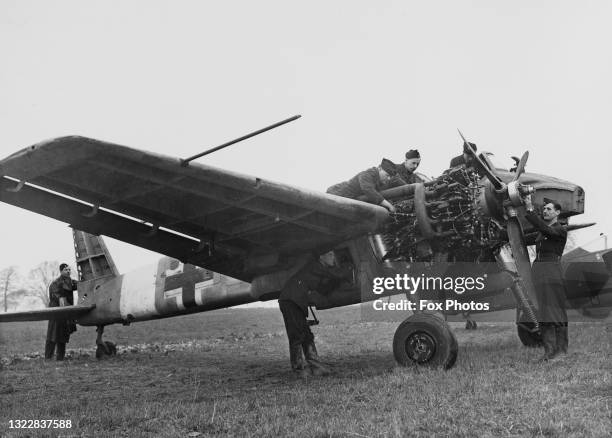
(406, 170)
(548, 280)
(319, 274)
(465, 158)
(59, 330)
(368, 183)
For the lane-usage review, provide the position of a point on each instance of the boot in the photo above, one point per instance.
(49, 349)
(297, 360)
(61, 351)
(549, 339)
(562, 338)
(312, 357)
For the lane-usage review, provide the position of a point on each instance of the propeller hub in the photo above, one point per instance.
(516, 192)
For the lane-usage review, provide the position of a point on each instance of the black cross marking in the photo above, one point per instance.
(187, 281)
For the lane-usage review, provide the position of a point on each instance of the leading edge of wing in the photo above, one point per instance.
(66, 312)
(271, 212)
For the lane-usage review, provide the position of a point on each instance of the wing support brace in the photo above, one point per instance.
(17, 188)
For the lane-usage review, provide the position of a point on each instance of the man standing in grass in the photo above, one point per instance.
(320, 275)
(548, 281)
(59, 330)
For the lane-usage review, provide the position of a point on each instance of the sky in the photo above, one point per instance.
(370, 79)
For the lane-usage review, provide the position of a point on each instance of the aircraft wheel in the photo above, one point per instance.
(471, 325)
(105, 349)
(425, 339)
(524, 329)
(527, 337)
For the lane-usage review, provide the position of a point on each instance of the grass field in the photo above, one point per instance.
(226, 373)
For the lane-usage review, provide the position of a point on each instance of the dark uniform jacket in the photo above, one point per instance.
(313, 276)
(61, 287)
(58, 330)
(546, 270)
(404, 177)
(364, 183)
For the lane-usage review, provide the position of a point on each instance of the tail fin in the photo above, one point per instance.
(92, 257)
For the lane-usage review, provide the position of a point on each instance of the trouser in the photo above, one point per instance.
(50, 347)
(554, 338)
(562, 335)
(549, 340)
(301, 339)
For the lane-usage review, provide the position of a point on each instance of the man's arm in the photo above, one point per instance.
(544, 228)
(367, 182)
(55, 292)
(535, 220)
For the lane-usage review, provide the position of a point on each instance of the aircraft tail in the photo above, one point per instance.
(92, 257)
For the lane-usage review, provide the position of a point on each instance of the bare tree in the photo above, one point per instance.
(5, 280)
(41, 276)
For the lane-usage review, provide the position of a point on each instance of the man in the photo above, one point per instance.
(368, 183)
(550, 290)
(466, 158)
(405, 171)
(319, 275)
(58, 331)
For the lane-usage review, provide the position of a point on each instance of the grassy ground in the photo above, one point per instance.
(226, 373)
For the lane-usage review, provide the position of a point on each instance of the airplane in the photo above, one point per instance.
(232, 239)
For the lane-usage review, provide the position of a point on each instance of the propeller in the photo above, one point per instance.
(520, 167)
(520, 254)
(512, 197)
(488, 171)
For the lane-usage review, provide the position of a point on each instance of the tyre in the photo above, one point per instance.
(425, 339)
(527, 336)
(524, 328)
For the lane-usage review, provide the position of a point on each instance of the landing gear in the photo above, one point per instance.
(527, 331)
(425, 339)
(104, 348)
(470, 324)
(527, 335)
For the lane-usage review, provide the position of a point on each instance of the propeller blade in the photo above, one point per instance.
(489, 173)
(521, 256)
(520, 168)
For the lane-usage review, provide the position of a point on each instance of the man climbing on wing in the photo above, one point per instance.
(368, 183)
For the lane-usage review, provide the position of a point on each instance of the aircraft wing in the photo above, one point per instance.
(66, 312)
(235, 224)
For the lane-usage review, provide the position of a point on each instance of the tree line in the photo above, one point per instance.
(15, 286)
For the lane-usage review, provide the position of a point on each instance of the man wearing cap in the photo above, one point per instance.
(548, 280)
(405, 170)
(58, 330)
(369, 184)
(466, 158)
